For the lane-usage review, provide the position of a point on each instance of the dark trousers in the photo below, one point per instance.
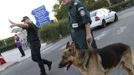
(36, 55)
(21, 50)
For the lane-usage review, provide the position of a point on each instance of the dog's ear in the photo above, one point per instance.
(73, 51)
(68, 44)
(73, 45)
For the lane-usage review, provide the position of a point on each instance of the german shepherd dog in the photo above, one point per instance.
(100, 61)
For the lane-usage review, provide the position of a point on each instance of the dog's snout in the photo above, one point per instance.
(61, 65)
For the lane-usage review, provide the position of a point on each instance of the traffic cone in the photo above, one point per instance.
(2, 61)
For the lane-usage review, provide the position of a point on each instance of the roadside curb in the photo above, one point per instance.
(10, 64)
(7, 65)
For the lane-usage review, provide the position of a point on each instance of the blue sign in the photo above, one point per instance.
(41, 16)
(43, 21)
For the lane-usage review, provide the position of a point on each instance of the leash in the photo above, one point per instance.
(87, 63)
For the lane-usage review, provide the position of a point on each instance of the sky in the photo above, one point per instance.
(16, 9)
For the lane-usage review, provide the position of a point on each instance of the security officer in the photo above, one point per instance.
(33, 39)
(79, 23)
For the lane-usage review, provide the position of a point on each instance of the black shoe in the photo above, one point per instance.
(43, 74)
(22, 55)
(50, 65)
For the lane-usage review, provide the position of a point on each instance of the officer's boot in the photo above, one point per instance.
(43, 73)
(49, 63)
(42, 68)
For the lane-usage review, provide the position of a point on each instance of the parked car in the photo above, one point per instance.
(102, 16)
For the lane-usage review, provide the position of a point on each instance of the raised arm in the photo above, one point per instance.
(21, 25)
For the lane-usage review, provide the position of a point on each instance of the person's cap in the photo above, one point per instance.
(15, 34)
(60, 1)
(24, 18)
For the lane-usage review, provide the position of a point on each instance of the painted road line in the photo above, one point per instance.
(52, 48)
(121, 30)
(47, 49)
(102, 35)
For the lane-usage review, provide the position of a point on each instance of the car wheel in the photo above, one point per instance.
(116, 18)
(104, 23)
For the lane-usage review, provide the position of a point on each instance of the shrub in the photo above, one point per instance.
(116, 1)
(6, 48)
(10, 44)
(1, 43)
(51, 32)
(122, 5)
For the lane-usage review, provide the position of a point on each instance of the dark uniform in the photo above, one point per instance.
(78, 18)
(35, 46)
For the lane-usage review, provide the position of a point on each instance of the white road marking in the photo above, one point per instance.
(101, 35)
(121, 30)
(48, 49)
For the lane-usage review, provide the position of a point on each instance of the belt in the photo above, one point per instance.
(34, 40)
(77, 29)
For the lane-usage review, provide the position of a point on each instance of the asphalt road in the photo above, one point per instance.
(121, 31)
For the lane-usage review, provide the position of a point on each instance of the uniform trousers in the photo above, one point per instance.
(36, 55)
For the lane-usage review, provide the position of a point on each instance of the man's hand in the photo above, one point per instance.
(21, 25)
(11, 26)
(88, 34)
(89, 38)
(11, 22)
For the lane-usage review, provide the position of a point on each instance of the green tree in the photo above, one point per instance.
(60, 11)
